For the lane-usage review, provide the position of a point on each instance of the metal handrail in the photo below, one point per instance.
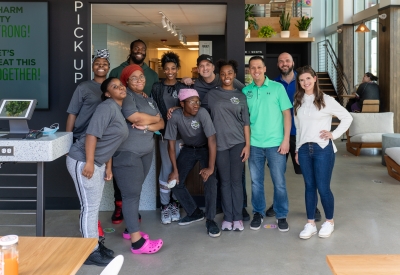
(329, 62)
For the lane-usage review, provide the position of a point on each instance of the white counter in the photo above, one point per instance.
(44, 149)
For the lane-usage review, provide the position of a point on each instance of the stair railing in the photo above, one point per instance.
(329, 62)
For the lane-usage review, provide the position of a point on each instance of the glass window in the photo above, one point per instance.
(366, 51)
(360, 5)
(331, 12)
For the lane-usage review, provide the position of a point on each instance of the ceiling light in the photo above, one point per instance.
(164, 22)
(383, 16)
(163, 49)
(362, 28)
(167, 23)
(193, 49)
(193, 43)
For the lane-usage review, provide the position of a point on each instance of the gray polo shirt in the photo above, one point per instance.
(194, 130)
(109, 126)
(229, 113)
(203, 87)
(86, 98)
(138, 141)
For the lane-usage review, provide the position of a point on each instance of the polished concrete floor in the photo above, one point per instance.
(367, 207)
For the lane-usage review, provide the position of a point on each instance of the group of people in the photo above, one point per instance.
(215, 121)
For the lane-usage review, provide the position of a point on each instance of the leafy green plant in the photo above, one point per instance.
(15, 108)
(249, 18)
(266, 32)
(284, 21)
(304, 23)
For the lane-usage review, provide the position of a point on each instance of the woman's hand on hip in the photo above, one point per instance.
(325, 135)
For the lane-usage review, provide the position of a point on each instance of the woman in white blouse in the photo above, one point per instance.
(315, 150)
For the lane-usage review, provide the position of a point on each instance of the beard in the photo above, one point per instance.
(137, 61)
(290, 69)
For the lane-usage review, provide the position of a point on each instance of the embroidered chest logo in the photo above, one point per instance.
(152, 105)
(175, 94)
(235, 100)
(195, 125)
(250, 94)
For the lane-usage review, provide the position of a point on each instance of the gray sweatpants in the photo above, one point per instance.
(89, 193)
(130, 171)
(166, 169)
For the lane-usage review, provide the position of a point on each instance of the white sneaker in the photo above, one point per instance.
(308, 231)
(174, 210)
(326, 230)
(165, 214)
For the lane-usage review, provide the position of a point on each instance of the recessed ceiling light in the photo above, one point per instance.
(193, 43)
(193, 49)
(163, 49)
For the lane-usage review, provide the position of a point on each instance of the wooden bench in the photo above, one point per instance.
(392, 159)
(364, 264)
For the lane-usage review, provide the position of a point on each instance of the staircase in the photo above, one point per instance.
(326, 86)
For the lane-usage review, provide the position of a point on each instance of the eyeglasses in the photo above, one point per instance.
(137, 79)
(193, 102)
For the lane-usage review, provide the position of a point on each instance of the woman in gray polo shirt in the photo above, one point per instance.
(230, 115)
(131, 162)
(89, 161)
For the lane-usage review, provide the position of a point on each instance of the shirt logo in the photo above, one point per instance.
(195, 125)
(152, 105)
(175, 94)
(249, 95)
(235, 100)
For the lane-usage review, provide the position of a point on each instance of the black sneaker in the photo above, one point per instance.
(99, 258)
(192, 218)
(270, 211)
(104, 249)
(256, 222)
(212, 229)
(317, 216)
(283, 226)
(245, 214)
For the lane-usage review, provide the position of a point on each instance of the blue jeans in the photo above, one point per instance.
(317, 165)
(277, 169)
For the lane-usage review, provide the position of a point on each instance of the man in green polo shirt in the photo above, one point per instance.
(270, 123)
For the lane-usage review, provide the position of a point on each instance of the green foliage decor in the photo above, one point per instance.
(284, 21)
(266, 32)
(15, 108)
(304, 23)
(248, 17)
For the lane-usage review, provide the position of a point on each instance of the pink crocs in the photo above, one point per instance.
(149, 247)
(126, 235)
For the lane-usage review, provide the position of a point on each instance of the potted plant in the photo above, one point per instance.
(266, 32)
(284, 21)
(250, 21)
(303, 24)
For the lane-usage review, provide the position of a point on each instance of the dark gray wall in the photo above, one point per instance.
(63, 22)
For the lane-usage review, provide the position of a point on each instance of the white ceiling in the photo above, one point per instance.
(192, 20)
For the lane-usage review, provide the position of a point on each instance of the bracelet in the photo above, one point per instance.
(146, 128)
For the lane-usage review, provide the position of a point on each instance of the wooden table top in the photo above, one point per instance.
(53, 255)
(364, 264)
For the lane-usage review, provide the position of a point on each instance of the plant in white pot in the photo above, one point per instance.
(284, 21)
(250, 21)
(303, 24)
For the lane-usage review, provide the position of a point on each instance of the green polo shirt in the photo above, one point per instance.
(266, 104)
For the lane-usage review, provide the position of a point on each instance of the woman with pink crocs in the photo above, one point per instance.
(132, 160)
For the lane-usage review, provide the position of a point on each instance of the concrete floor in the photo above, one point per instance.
(367, 208)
